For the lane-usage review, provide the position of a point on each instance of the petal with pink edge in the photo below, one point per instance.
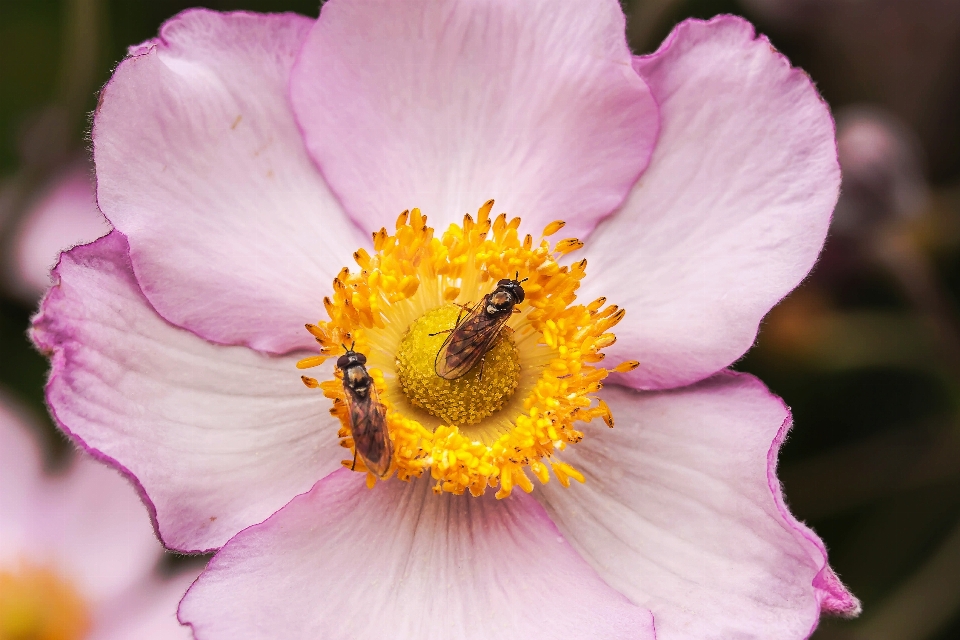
(682, 512)
(732, 211)
(233, 232)
(443, 105)
(218, 437)
(345, 562)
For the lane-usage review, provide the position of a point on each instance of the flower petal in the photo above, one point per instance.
(149, 612)
(443, 105)
(65, 216)
(682, 512)
(93, 526)
(20, 479)
(233, 233)
(218, 437)
(345, 562)
(87, 524)
(732, 211)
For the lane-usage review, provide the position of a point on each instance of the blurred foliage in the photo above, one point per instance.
(865, 352)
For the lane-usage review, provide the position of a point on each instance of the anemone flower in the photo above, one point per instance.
(245, 160)
(77, 553)
(64, 214)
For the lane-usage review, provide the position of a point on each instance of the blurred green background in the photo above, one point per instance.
(866, 352)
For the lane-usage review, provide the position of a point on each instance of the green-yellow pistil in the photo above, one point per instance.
(465, 400)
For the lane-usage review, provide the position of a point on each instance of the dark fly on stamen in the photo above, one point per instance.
(368, 418)
(477, 333)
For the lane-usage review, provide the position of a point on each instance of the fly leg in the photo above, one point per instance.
(463, 308)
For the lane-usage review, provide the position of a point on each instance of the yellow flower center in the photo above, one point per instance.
(516, 409)
(37, 604)
(468, 399)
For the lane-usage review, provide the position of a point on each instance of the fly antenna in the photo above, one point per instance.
(517, 278)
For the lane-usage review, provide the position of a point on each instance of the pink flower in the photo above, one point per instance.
(244, 158)
(65, 214)
(77, 553)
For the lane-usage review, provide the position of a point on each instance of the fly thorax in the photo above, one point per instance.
(357, 378)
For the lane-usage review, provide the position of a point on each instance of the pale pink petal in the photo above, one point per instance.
(732, 211)
(93, 527)
(442, 105)
(233, 233)
(148, 612)
(682, 512)
(86, 523)
(64, 216)
(345, 562)
(21, 479)
(218, 437)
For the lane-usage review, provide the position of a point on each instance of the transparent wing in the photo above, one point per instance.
(469, 341)
(368, 426)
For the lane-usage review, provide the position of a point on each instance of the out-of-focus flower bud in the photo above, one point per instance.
(882, 175)
(63, 215)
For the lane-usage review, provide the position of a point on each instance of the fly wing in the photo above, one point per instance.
(368, 426)
(468, 342)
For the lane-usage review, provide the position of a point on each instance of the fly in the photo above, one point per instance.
(368, 420)
(471, 339)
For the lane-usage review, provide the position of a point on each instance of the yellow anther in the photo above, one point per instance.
(553, 227)
(594, 306)
(311, 361)
(627, 366)
(566, 246)
(564, 472)
(484, 212)
(606, 414)
(604, 341)
(310, 382)
(315, 331)
(362, 258)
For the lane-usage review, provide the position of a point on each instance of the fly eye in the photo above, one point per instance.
(343, 362)
(506, 282)
(359, 358)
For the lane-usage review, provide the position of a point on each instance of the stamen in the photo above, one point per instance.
(553, 227)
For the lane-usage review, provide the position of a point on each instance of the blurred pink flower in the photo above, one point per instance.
(77, 553)
(64, 215)
(882, 171)
(242, 158)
